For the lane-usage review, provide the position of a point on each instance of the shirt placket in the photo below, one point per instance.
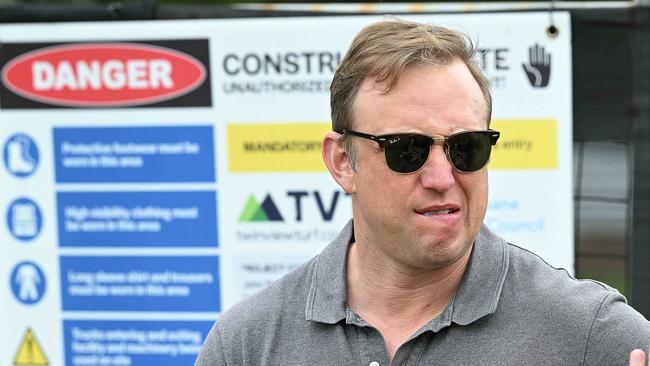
(410, 353)
(372, 348)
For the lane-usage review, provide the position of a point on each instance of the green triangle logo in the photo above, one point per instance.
(252, 211)
(256, 211)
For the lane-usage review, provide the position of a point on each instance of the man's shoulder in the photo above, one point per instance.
(591, 315)
(253, 326)
(537, 280)
(528, 280)
(284, 298)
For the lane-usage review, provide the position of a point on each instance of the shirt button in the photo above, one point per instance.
(373, 363)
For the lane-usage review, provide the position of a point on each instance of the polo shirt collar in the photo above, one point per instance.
(477, 296)
(480, 290)
(326, 301)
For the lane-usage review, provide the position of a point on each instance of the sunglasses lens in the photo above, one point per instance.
(469, 151)
(407, 153)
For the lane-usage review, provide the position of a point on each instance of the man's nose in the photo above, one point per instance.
(437, 172)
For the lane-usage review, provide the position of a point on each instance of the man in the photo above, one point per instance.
(415, 279)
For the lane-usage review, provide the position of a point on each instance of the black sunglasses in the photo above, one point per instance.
(407, 152)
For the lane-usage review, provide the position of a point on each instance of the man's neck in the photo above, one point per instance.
(395, 299)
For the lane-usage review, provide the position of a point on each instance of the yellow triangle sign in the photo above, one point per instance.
(30, 352)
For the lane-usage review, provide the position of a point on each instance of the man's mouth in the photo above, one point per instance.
(439, 212)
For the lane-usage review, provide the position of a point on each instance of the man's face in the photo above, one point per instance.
(430, 218)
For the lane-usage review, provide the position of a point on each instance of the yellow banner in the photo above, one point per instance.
(296, 147)
(287, 147)
(525, 144)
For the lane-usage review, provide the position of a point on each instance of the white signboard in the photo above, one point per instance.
(154, 173)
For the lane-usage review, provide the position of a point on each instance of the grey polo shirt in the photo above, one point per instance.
(510, 309)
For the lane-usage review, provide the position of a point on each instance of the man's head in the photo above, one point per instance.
(402, 77)
(383, 50)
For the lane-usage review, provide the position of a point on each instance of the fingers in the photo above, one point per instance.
(637, 358)
(538, 56)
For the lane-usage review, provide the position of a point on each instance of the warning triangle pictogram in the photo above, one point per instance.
(30, 352)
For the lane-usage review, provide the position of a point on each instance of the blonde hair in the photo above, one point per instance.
(383, 50)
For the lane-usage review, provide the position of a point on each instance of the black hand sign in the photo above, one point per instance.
(538, 68)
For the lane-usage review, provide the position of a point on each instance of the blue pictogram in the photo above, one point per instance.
(28, 283)
(24, 219)
(20, 155)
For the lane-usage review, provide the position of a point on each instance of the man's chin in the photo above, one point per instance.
(449, 252)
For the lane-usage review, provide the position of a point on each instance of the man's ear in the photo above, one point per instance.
(336, 159)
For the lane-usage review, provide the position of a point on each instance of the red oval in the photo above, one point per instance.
(103, 74)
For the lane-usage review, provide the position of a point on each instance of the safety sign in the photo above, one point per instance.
(20, 155)
(24, 219)
(28, 283)
(137, 219)
(134, 154)
(155, 173)
(138, 283)
(30, 352)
